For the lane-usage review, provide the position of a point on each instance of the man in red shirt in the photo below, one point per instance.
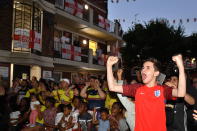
(149, 97)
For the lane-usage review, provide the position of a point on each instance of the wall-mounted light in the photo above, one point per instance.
(193, 60)
(84, 42)
(86, 7)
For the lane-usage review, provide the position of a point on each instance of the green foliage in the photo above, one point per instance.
(156, 39)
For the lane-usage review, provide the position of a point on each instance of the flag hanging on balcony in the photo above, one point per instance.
(104, 23)
(21, 38)
(35, 40)
(71, 52)
(74, 8)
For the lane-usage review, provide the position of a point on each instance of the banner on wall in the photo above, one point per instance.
(74, 8)
(71, 52)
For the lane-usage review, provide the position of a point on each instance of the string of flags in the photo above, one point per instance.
(117, 1)
(174, 21)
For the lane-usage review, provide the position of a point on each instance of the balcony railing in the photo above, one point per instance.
(80, 54)
(73, 8)
(77, 9)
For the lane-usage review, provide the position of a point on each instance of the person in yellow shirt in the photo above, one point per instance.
(35, 89)
(66, 92)
(57, 92)
(111, 98)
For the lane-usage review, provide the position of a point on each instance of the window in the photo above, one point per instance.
(27, 21)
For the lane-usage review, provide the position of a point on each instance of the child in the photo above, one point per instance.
(117, 121)
(33, 115)
(103, 122)
(49, 114)
(59, 115)
(66, 123)
(84, 118)
(75, 111)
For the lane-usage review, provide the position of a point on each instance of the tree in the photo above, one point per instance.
(154, 39)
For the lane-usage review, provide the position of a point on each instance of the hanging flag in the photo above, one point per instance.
(123, 20)
(74, 8)
(174, 21)
(117, 1)
(35, 40)
(104, 23)
(21, 38)
(187, 20)
(112, 1)
(71, 52)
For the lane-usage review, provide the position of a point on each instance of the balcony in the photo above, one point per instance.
(74, 17)
(79, 57)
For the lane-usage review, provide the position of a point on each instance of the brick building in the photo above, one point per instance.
(55, 38)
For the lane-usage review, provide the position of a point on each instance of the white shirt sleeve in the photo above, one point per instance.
(58, 118)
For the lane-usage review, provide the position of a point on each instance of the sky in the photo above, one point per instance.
(144, 10)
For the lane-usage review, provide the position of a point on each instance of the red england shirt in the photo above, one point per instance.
(149, 106)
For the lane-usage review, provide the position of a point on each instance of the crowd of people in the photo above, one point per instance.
(107, 104)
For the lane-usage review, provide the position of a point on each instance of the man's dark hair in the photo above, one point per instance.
(156, 63)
